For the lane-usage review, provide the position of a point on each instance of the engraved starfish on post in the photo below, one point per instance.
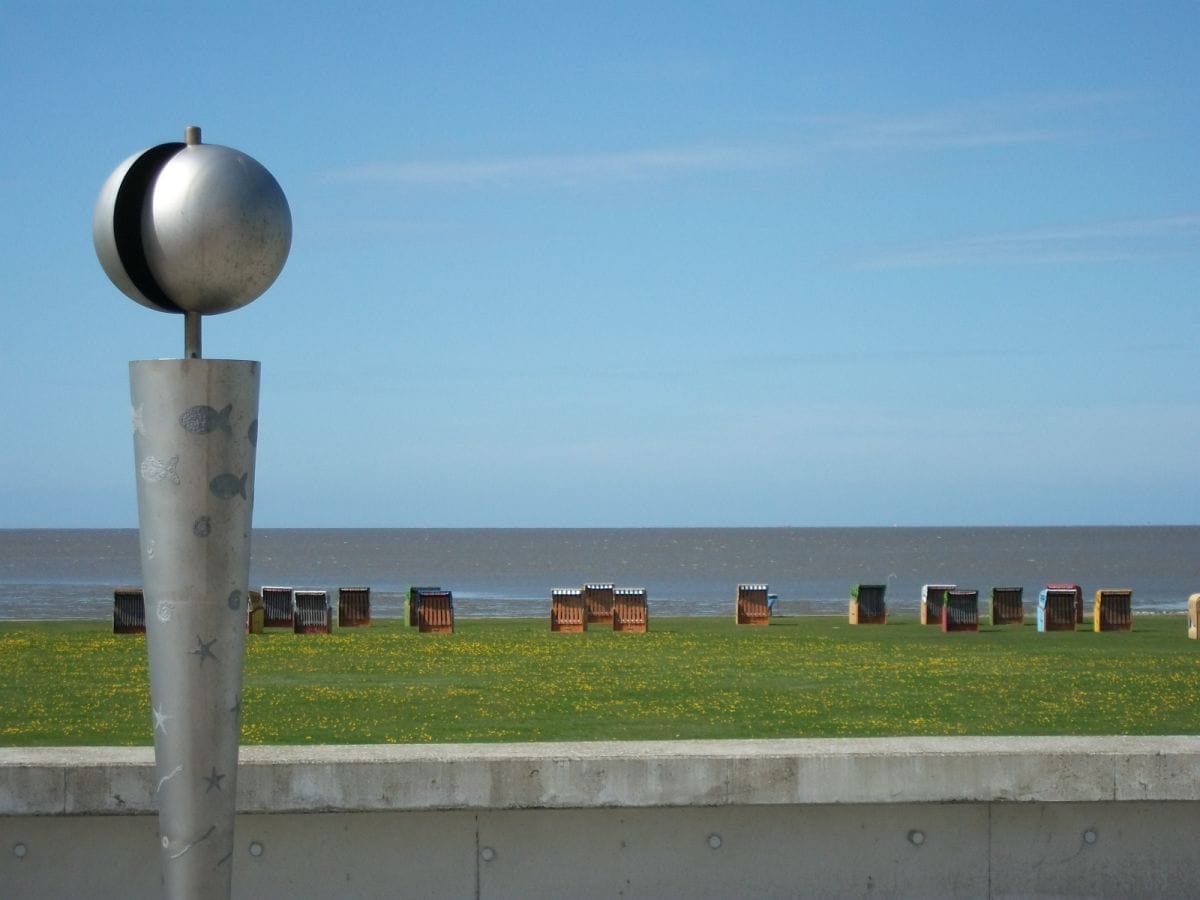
(214, 780)
(160, 719)
(203, 649)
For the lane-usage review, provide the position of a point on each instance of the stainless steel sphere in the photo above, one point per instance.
(192, 228)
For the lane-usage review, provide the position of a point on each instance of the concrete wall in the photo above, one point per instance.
(977, 817)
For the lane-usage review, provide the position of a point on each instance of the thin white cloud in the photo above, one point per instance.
(569, 170)
(1130, 239)
(1033, 119)
(997, 122)
(940, 131)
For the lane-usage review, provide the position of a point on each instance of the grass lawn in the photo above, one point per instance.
(75, 683)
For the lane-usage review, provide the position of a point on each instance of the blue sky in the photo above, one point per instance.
(636, 264)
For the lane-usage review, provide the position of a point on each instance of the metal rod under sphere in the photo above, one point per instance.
(191, 320)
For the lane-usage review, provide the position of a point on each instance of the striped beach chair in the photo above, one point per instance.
(1112, 610)
(751, 608)
(598, 603)
(1078, 598)
(960, 610)
(867, 604)
(129, 611)
(312, 613)
(414, 603)
(629, 610)
(931, 602)
(1056, 609)
(566, 611)
(354, 607)
(278, 607)
(1007, 607)
(435, 612)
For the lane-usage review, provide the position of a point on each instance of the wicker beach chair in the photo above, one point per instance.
(598, 603)
(354, 607)
(751, 608)
(1194, 617)
(312, 615)
(1112, 610)
(867, 604)
(1078, 598)
(1007, 606)
(278, 607)
(414, 603)
(960, 610)
(629, 610)
(931, 602)
(566, 611)
(1056, 609)
(129, 611)
(435, 612)
(255, 613)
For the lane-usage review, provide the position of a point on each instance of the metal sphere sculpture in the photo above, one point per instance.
(191, 227)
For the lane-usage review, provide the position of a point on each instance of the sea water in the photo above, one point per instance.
(685, 571)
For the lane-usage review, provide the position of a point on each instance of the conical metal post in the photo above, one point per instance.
(195, 429)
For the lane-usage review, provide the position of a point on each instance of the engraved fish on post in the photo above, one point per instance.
(154, 469)
(229, 485)
(205, 419)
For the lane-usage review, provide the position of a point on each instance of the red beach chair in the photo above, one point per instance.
(629, 610)
(414, 602)
(566, 611)
(435, 612)
(751, 606)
